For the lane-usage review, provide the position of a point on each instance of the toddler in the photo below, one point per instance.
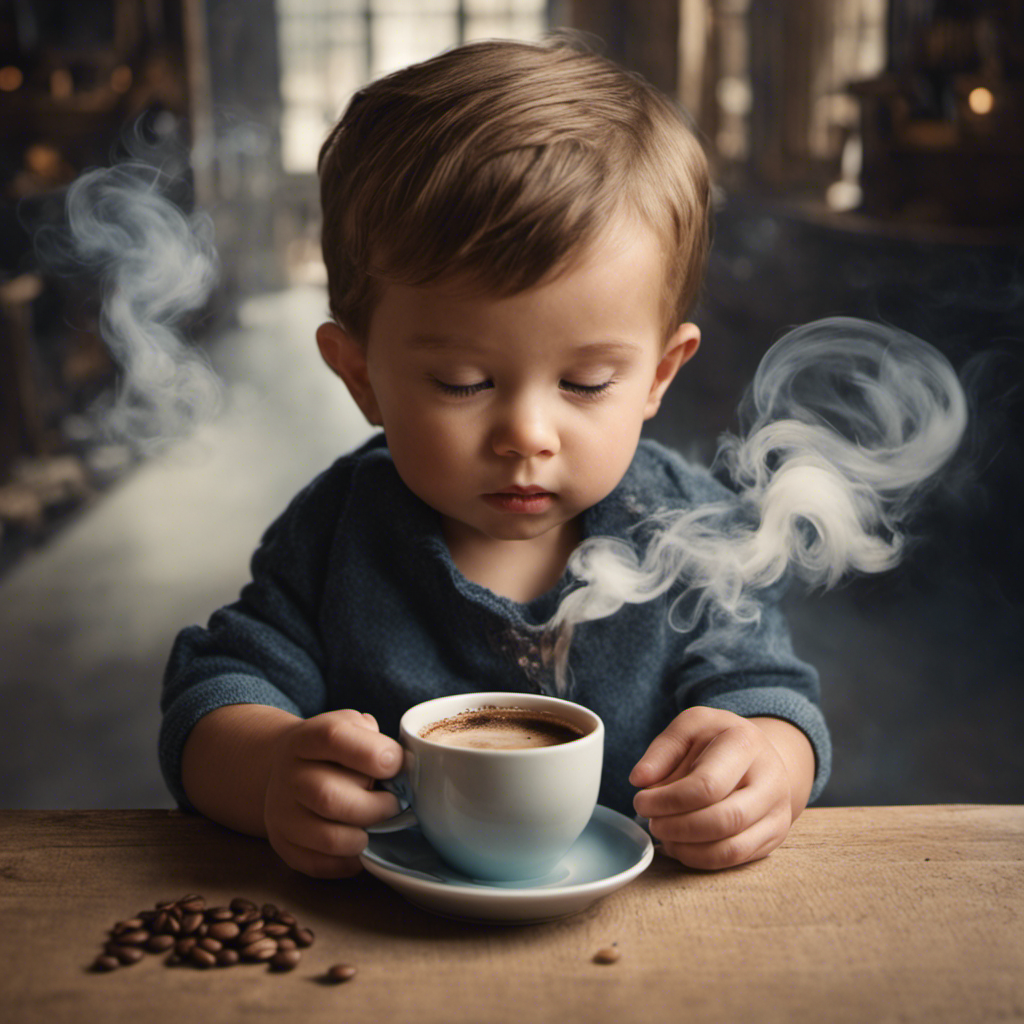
(514, 236)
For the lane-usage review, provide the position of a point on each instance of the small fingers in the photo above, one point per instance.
(730, 817)
(317, 847)
(713, 775)
(350, 739)
(340, 795)
(752, 844)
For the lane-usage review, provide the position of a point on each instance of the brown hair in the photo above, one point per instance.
(501, 161)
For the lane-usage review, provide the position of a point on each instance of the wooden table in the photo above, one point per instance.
(866, 914)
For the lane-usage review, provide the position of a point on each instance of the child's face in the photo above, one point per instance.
(511, 416)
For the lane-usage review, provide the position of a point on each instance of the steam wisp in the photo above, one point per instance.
(845, 424)
(157, 265)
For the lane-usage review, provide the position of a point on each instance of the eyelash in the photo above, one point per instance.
(466, 390)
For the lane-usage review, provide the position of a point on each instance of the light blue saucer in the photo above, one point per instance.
(611, 852)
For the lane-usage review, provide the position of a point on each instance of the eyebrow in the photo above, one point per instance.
(609, 347)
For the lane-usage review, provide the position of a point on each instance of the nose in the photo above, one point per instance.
(525, 429)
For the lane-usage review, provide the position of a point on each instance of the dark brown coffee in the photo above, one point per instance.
(501, 729)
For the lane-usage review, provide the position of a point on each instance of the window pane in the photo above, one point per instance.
(399, 40)
(326, 54)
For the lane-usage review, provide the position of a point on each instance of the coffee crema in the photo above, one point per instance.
(501, 729)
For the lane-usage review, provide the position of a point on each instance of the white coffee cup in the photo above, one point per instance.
(500, 814)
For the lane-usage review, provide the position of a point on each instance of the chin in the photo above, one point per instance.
(519, 530)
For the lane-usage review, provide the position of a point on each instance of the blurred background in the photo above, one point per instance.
(869, 161)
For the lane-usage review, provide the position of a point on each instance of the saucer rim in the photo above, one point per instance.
(481, 889)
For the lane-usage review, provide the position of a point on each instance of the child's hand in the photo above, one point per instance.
(715, 788)
(320, 796)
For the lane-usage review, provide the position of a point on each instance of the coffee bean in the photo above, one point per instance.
(132, 938)
(190, 923)
(607, 955)
(184, 946)
(227, 957)
(202, 958)
(285, 918)
(269, 911)
(224, 930)
(240, 905)
(166, 923)
(159, 943)
(303, 936)
(244, 917)
(340, 972)
(192, 903)
(210, 945)
(132, 924)
(220, 914)
(276, 929)
(261, 949)
(287, 943)
(105, 962)
(127, 954)
(285, 960)
(253, 932)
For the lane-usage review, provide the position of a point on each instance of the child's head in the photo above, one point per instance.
(499, 162)
(513, 235)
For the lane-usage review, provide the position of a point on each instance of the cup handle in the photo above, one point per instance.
(406, 818)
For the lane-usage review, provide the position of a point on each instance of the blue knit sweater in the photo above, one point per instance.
(355, 602)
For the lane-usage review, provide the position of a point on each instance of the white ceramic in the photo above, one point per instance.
(500, 814)
(610, 853)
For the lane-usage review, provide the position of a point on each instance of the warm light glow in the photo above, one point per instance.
(10, 78)
(62, 85)
(981, 100)
(121, 78)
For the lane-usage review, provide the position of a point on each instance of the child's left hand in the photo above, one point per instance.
(715, 788)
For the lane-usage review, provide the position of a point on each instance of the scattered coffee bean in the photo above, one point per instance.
(607, 955)
(191, 933)
(340, 972)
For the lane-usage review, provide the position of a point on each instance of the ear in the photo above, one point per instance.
(346, 356)
(681, 348)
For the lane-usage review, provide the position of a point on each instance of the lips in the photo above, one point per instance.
(521, 500)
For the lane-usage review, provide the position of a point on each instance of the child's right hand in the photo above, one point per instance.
(320, 793)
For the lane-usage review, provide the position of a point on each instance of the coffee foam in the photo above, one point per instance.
(494, 728)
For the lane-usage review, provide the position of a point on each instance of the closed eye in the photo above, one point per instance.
(586, 390)
(461, 390)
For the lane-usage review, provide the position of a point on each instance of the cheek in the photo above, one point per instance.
(422, 445)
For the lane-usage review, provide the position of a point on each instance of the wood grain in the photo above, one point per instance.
(864, 915)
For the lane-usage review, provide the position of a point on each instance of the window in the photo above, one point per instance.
(329, 48)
